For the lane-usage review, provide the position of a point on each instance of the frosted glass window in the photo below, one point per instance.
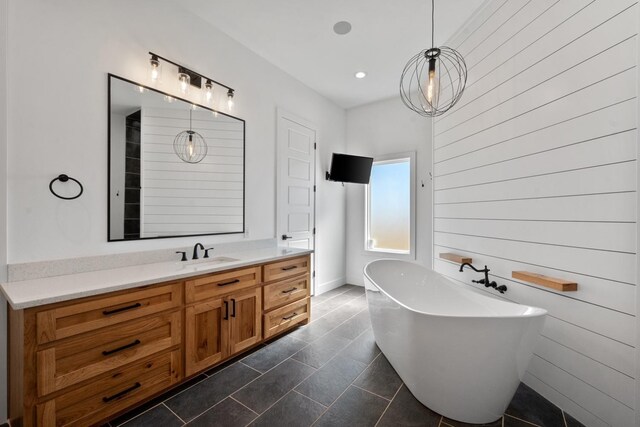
(389, 207)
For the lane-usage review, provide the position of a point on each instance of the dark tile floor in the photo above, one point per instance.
(327, 373)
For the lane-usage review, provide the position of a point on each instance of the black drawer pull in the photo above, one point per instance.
(121, 393)
(289, 290)
(124, 347)
(233, 307)
(290, 317)
(229, 283)
(118, 310)
(289, 268)
(226, 310)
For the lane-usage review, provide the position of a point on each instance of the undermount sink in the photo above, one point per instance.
(204, 263)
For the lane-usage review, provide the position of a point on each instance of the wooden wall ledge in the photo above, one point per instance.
(456, 258)
(549, 282)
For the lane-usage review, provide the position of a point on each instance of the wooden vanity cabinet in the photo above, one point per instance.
(79, 362)
(85, 361)
(221, 327)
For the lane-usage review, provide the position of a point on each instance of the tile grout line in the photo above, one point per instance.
(370, 363)
(292, 389)
(388, 405)
(237, 401)
(334, 328)
(520, 419)
(564, 418)
(377, 395)
(345, 390)
(333, 297)
(311, 399)
(253, 369)
(178, 416)
(344, 303)
(290, 357)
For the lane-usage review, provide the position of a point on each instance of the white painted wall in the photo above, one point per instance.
(535, 169)
(377, 129)
(58, 58)
(67, 48)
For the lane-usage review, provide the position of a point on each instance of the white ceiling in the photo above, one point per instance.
(297, 36)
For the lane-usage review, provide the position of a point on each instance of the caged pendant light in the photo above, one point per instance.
(433, 81)
(189, 145)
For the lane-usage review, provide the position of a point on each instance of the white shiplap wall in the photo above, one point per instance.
(184, 198)
(535, 169)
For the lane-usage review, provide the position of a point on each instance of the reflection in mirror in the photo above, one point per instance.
(153, 192)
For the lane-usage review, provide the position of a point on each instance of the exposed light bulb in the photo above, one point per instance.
(183, 82)
(433, 87)
(230, 99)
(215, 114)
(140, 89)
(194, 107)
(190, 146)
(155, 70)
(208, 92)
(360, 75)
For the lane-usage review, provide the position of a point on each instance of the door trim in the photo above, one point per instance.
(284, 114)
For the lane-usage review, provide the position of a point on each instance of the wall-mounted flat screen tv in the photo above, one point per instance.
(347, 168)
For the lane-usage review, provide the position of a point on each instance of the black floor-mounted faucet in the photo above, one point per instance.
(486, 282)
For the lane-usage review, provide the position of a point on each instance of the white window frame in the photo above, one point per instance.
(392, 158)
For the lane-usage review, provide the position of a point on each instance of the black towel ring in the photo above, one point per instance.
(65, 178)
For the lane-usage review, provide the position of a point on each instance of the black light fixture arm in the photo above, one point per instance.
(182, 67)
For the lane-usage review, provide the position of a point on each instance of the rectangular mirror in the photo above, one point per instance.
(175, 169)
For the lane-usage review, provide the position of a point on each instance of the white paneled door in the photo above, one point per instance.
(296, 182)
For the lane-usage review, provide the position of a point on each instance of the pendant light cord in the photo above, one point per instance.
(190, 127)
(433, 8)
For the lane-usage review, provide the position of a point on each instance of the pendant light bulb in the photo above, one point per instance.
(208, 92)
(183, 81)
(154, 69)
(190, 146)
(433, 86)
(230, 99)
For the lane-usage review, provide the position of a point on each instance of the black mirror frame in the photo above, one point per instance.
(244, 160)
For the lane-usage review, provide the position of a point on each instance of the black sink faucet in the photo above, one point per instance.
(486, 282)
(195, 250)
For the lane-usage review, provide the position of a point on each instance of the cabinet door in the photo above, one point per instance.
(245, 319)
(206, 335)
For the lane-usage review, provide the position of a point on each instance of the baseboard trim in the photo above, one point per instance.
(327, 286)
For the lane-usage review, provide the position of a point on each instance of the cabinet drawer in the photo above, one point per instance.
(285, 317)
(221, 283)
(281, 293)
(112, 393)
(86, 356)
(79, 317)
(284, 269)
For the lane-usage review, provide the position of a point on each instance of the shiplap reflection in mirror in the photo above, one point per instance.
(152, 192)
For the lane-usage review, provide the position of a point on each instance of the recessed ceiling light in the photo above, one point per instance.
(342, 28)
(360, 75)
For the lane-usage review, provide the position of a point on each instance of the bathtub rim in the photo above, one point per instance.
(536, 311)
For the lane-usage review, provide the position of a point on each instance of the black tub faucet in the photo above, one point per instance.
(486, 282)
(195, 250)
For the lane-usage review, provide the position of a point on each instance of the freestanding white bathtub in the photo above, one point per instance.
(460, 353)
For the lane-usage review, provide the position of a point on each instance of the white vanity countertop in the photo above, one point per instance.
(32, 293)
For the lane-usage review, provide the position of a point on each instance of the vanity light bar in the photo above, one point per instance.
(196, 79)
